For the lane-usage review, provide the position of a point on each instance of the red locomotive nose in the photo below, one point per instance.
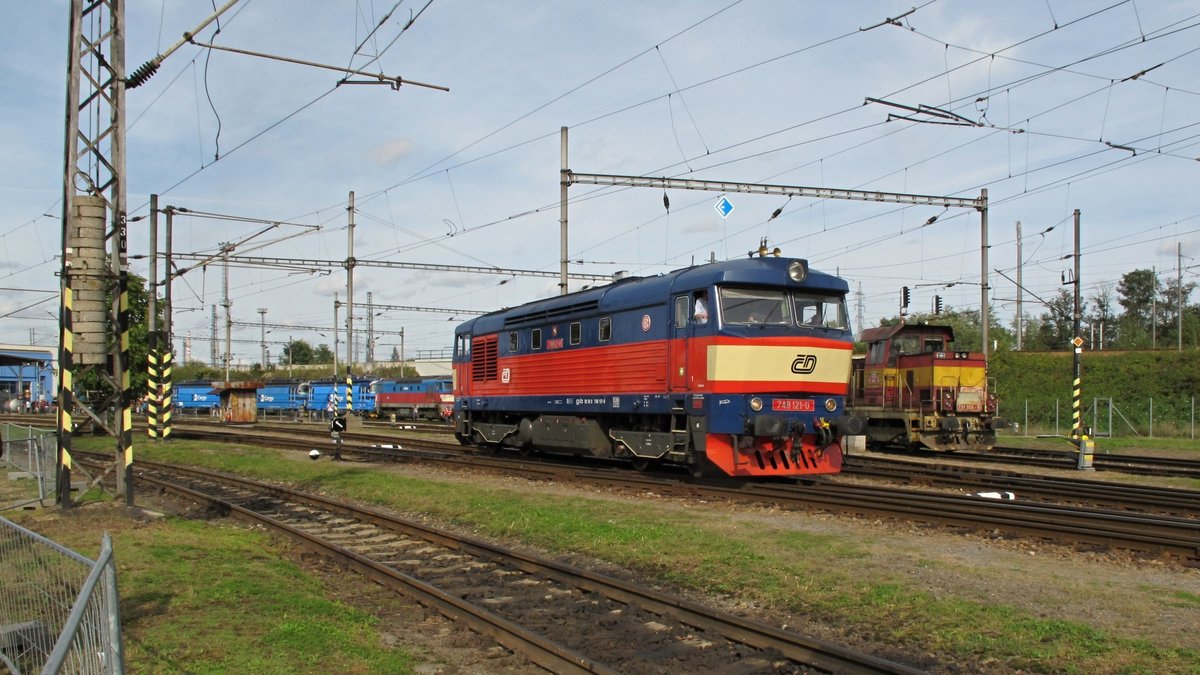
(763, 457)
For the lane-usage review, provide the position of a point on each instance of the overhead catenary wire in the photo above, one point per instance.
(856, 139)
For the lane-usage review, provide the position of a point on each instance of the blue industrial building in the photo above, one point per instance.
(28, 377)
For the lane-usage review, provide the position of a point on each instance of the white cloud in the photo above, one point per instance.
(392, 152)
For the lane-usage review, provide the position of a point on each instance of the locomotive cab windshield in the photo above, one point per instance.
(822, 311)
(775, 307)
(755, 306)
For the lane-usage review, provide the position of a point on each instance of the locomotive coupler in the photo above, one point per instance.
(825, 437)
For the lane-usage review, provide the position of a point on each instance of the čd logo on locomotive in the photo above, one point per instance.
(804, 364)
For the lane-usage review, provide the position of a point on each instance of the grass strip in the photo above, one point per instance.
(784, 569)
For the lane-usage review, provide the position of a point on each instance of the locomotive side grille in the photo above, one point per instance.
(552, 314)
(483, 358)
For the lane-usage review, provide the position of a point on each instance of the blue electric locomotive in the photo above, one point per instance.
(282, 397)
(741, 365)
(196, 398)
(327, 395)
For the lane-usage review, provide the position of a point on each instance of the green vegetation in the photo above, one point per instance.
(1170, 379)
(812, 575)
(204, 597)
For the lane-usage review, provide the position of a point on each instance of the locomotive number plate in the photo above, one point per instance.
(793, 405)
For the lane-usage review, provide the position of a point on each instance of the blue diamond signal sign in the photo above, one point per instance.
(724, 207)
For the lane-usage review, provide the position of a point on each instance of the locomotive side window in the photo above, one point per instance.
(576, 332)
(605, 329)
(875, 356)
(464, 345)
(755, 306)
(700, 309)
(681, 311)
(535, 338)
(513, 342)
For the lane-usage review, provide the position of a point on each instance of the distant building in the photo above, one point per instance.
(28, 374)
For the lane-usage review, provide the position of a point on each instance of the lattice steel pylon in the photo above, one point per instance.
(94, 312)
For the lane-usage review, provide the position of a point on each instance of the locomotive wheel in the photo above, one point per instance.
(641, 464)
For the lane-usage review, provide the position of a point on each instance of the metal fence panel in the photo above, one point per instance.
(1150, 417)
(31, 451)
(59, 611)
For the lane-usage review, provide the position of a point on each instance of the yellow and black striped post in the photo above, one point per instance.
(66, 400)
(153, 388)
(349, 392)
(165, 391)
(124, 412)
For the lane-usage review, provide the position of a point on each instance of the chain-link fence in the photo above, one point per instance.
(1106, 417)
(58, 610)
(32, 453)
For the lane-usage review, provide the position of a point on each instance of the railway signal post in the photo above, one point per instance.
(1079, 435)
(336, 426)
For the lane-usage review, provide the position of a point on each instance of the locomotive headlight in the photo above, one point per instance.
(830, 404)
(756, 404)
(797, 271)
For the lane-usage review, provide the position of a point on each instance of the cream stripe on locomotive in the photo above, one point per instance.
(757, 363)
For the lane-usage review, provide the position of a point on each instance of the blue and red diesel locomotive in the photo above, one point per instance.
(741, 366)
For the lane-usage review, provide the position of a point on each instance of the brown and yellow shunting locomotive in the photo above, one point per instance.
(916, 391)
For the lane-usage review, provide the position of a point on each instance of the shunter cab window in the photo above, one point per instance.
(535, 338)
(875, 353)
(513, 342)
(464, 345)
(605, 329)
(905, 344)
(755, 306)
(934, 344)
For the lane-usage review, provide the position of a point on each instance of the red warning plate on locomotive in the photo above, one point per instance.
(793, 405)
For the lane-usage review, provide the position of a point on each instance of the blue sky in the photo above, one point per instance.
(753, 91)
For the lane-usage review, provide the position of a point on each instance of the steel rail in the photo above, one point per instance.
(1124, 530)
(545, 653)
(802, 649)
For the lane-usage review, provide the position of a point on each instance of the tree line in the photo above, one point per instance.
(1137, 312)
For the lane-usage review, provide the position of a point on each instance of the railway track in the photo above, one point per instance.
(1120, 496)
(1067, 459)
(1072, 513)
(562, 618)
(1154, 532)
(1051, 459)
